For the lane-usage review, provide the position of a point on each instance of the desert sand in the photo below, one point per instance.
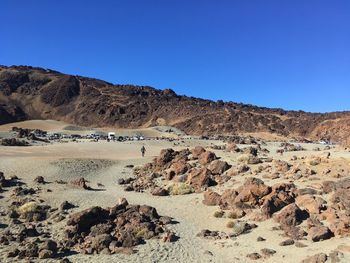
(105, 162)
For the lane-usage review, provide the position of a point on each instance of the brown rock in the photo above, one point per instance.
(218, 167)
(252, 191)
(180, 167)
(318, 233)
(39, 180)
(66, 205)
(291, 215)
(232, 147)
(206, 157)
(311, 204)
(81, 183)
(341, 197)
(267, 252)
(254, 256)
(300, 245)
(328, 186)
(211, 198)
(287, 242)
(169, 237)
(200, 178)
(280, 196)
(340, 226)
(165, 157)
(228, 199)
(318, 258)
(13, 253)
(87, 218)
(197, 151)
(101, 242)
(44, 254)
(158, 191)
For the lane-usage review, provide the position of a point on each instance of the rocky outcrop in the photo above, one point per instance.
(184, 172)
(99, 230)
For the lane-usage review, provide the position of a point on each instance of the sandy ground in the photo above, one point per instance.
(69, 161)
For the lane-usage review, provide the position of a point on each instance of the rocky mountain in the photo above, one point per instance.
(37, 93)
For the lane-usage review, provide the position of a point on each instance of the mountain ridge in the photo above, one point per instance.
(36, 93)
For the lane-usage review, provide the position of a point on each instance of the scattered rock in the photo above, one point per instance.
(299, 244)
(211, 198)
(158, 191)
(260, 239)
(318, 233)
(98, 230)
(218, 167)
(254, 256)
(318, 258)
(267, 252)
(39, 180)
(66, 205)
(81, 183)
(287, 242)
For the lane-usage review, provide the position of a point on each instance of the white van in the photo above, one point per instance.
(111, 135)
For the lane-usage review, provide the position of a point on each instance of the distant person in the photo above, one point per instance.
(143, 150)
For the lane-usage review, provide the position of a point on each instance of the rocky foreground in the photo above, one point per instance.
(26, 225)
(253, 202)
(302, 213)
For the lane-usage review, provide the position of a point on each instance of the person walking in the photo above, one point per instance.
(143, 150)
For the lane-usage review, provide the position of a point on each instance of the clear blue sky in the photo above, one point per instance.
(293, 54)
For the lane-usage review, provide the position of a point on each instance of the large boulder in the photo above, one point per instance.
(341, 198)
(85, 219)
(319, 232)
(252, 191)
(180, 167)
(199, 179)
(312, 204)
(291, 215)
(197, 151)
(228, 199)
(218, 167)
(280, 196)
(206, 157)
(165, 157)
(159, 191)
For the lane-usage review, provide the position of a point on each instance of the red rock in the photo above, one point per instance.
(165, 156)
(158, 191)
(180, 167)
(318, 233)
(81, 183)
(310, 203)
(252, 191)
(291, 215)
(228, 199)
(199, 179)
(197, 151)
(211, 198)
(218, 167)
(206, 157)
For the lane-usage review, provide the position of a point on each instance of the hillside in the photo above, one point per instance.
(36, 93)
